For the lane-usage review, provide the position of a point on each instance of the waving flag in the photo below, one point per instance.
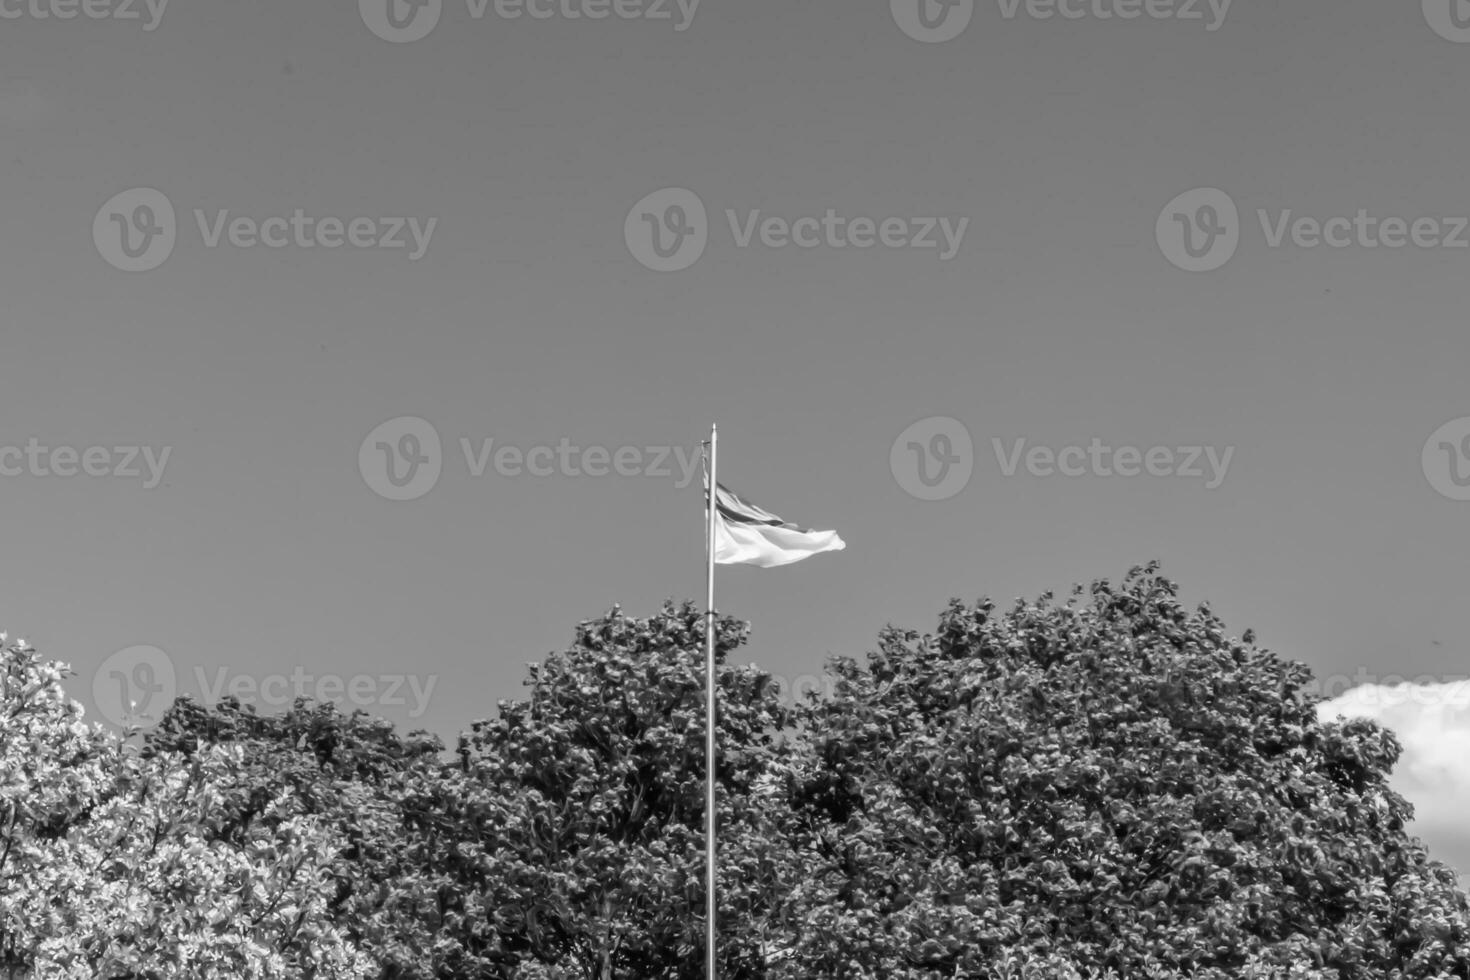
(748, 535)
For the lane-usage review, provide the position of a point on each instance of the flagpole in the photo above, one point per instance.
(711, 971)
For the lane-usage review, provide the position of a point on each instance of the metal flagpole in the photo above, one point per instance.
(709, 721)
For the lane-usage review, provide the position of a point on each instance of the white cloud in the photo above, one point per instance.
(1432, 722)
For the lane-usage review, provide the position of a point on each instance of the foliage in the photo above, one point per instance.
(374, 789)
(1114, 781)
(110, 865)
(589, 806)
(1106, 788)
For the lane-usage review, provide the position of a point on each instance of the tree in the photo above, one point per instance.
(588, 815)
(1112, 784)
(110, 868)
(566, 837)
(379, 793)
(1108, 788)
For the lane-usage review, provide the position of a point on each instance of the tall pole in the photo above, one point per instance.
(710, 971)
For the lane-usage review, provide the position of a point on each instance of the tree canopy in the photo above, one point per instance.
(1109, 786)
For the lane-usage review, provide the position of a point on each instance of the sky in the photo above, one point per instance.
(1012, 295)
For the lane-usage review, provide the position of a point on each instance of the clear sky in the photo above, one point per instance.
(1052, 148)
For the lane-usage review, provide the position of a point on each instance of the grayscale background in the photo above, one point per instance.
(1079, 149)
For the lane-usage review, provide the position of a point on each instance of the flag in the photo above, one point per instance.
(747, 535)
